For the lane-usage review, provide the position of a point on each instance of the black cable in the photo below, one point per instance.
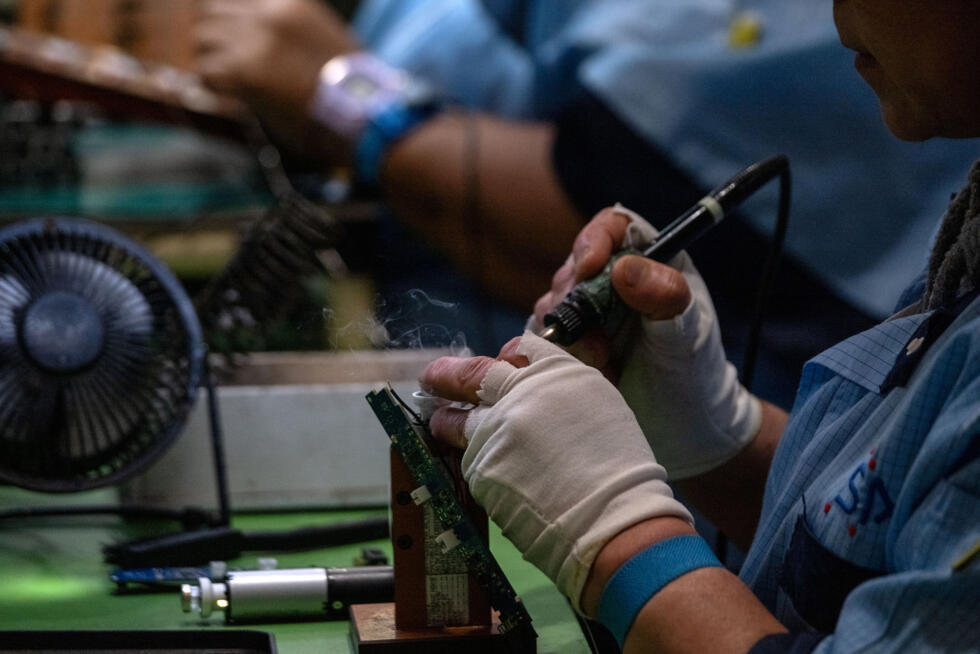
(190, 518)
(766, 283)
(768, 279)
(224, 543)
(306, 538)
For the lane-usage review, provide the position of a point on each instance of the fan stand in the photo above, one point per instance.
(180, 547)
(217, 446)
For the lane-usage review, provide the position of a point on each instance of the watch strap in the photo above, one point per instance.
(383, 129)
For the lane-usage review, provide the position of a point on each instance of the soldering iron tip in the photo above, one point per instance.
(549, 333)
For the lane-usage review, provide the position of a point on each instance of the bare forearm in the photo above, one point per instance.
(730, 496)
(483, 191)
(706, 610)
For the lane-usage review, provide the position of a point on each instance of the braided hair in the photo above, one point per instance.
(954, 265)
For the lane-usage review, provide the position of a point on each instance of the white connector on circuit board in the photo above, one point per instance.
(421, 495)
(448, 540)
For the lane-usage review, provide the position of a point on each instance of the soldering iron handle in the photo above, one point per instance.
(594, 303)
(749, 180)
(591, 303)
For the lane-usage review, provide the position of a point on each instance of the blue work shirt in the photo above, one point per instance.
(872, 505)
(671, 71)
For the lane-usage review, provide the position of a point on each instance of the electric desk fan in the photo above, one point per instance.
(101, 356)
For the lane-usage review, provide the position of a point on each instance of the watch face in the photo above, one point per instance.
(360, 87)
(355, 87)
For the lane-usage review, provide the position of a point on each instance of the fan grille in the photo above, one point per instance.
(79, 407)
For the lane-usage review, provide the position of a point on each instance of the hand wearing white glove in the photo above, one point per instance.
(552, 453)
(671, 367)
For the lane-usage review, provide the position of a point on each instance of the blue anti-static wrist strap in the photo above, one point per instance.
(383, 129)
(640, 578)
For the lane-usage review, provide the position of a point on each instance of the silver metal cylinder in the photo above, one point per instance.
(301, 593)
(276, 594)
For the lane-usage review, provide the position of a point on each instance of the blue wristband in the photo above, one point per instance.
(383, 129)
(640, 578)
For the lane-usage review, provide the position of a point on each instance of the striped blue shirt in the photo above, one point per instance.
(872, 506)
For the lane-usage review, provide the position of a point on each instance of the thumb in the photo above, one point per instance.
(654, 289)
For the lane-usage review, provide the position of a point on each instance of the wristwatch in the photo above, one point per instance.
(355, 87)
(372, 104)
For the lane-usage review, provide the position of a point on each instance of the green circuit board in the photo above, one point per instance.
(408, 434)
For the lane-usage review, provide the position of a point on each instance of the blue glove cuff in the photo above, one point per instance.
(640, 578)
(383, 129)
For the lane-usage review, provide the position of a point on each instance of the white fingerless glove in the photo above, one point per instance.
(686, 396)
(556, 458)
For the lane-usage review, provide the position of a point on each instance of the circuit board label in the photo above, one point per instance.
(447, 587)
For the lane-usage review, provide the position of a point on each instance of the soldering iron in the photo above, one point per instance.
(594, 303)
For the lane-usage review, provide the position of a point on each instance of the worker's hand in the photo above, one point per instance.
(669, 365)
(269, 54)
(552, 453)
(661, 290)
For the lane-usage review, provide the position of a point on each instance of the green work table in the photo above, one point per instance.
(54, 578)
